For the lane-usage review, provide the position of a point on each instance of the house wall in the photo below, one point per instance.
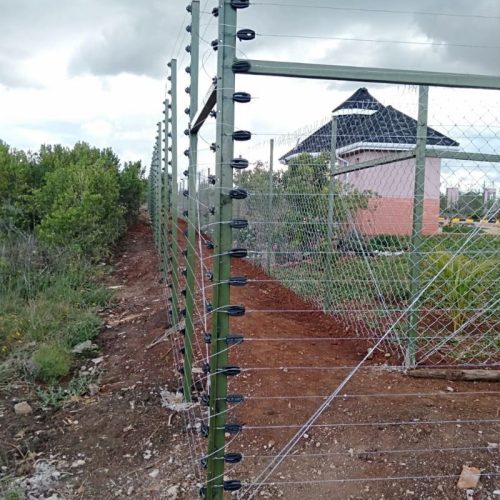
(390, 210)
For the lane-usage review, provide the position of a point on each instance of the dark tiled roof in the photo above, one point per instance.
(379, 124)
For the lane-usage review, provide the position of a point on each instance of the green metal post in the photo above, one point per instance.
(331, 185)
(222, 241)
(331, 204)
(174, 195)
(417, 225)
(270, 205)
(166, 194)
(159, 201)
(192, 207)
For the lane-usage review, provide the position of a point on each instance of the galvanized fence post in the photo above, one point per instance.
(192, 205)
(417, 224)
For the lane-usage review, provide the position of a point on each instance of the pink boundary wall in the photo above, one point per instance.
(390, 210)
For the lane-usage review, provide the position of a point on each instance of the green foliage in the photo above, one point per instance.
(132, 189)
(55, 395)
(459, 284)
(61, 210)
(51, 362)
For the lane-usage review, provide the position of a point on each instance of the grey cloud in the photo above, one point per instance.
(139, 44)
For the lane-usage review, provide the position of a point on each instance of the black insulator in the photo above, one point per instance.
(202, 492)
(187, 69)
(234, 398)
(204, 464)
(188, 28)
(188, 48)
(169, 64)
(241, 67)
(186, 131)
(186, 172)
(235, 339)
(169, 92)
(233, 458)
(184, 272)
(229, 370)
(238, 194)
(213, 114)
(182, 350)
(233, 428)
(245, 34)
(185, 213)
(215, 12)
(210, 276)
(215, 44)
(186, 152)
(205, 398)
(170, 134)
(206, 368)
(189, 8)
(182, 331)
(232, 485)
(214, 80)
(235, 310)
(184, 292)
(185, 252)
(187, 90)
(209, 244)
(211, 210)
(211, 179)
(207, 338)
(181, 370)
(185, 193)
(187, 111)
(238, 223)
(242, 97)
(209, 308)
(213, 147)
(184, 312)
(238, 280)
(204, 429)
(239, 163)
(240, 4)
(238, 253)
(169, 78)
(185, 232)
(170, 148)
(242, 135)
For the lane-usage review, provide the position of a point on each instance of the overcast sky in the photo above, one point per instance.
(95, 70)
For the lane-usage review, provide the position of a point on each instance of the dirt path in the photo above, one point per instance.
(122, 443)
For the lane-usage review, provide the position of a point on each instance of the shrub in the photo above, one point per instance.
(51, 362)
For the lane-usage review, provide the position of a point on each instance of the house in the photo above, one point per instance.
(366, 130)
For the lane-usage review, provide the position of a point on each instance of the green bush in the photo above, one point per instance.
(51, 362)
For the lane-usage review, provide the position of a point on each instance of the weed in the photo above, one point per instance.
(51, 362)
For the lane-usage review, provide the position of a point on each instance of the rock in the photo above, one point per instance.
(173, 492)
(270, 444)
(77, 463)
(22, 408)
(84, 346)
(92, 389)
(496, 493)
(98, 360)
(154, 473)
(469, 478)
